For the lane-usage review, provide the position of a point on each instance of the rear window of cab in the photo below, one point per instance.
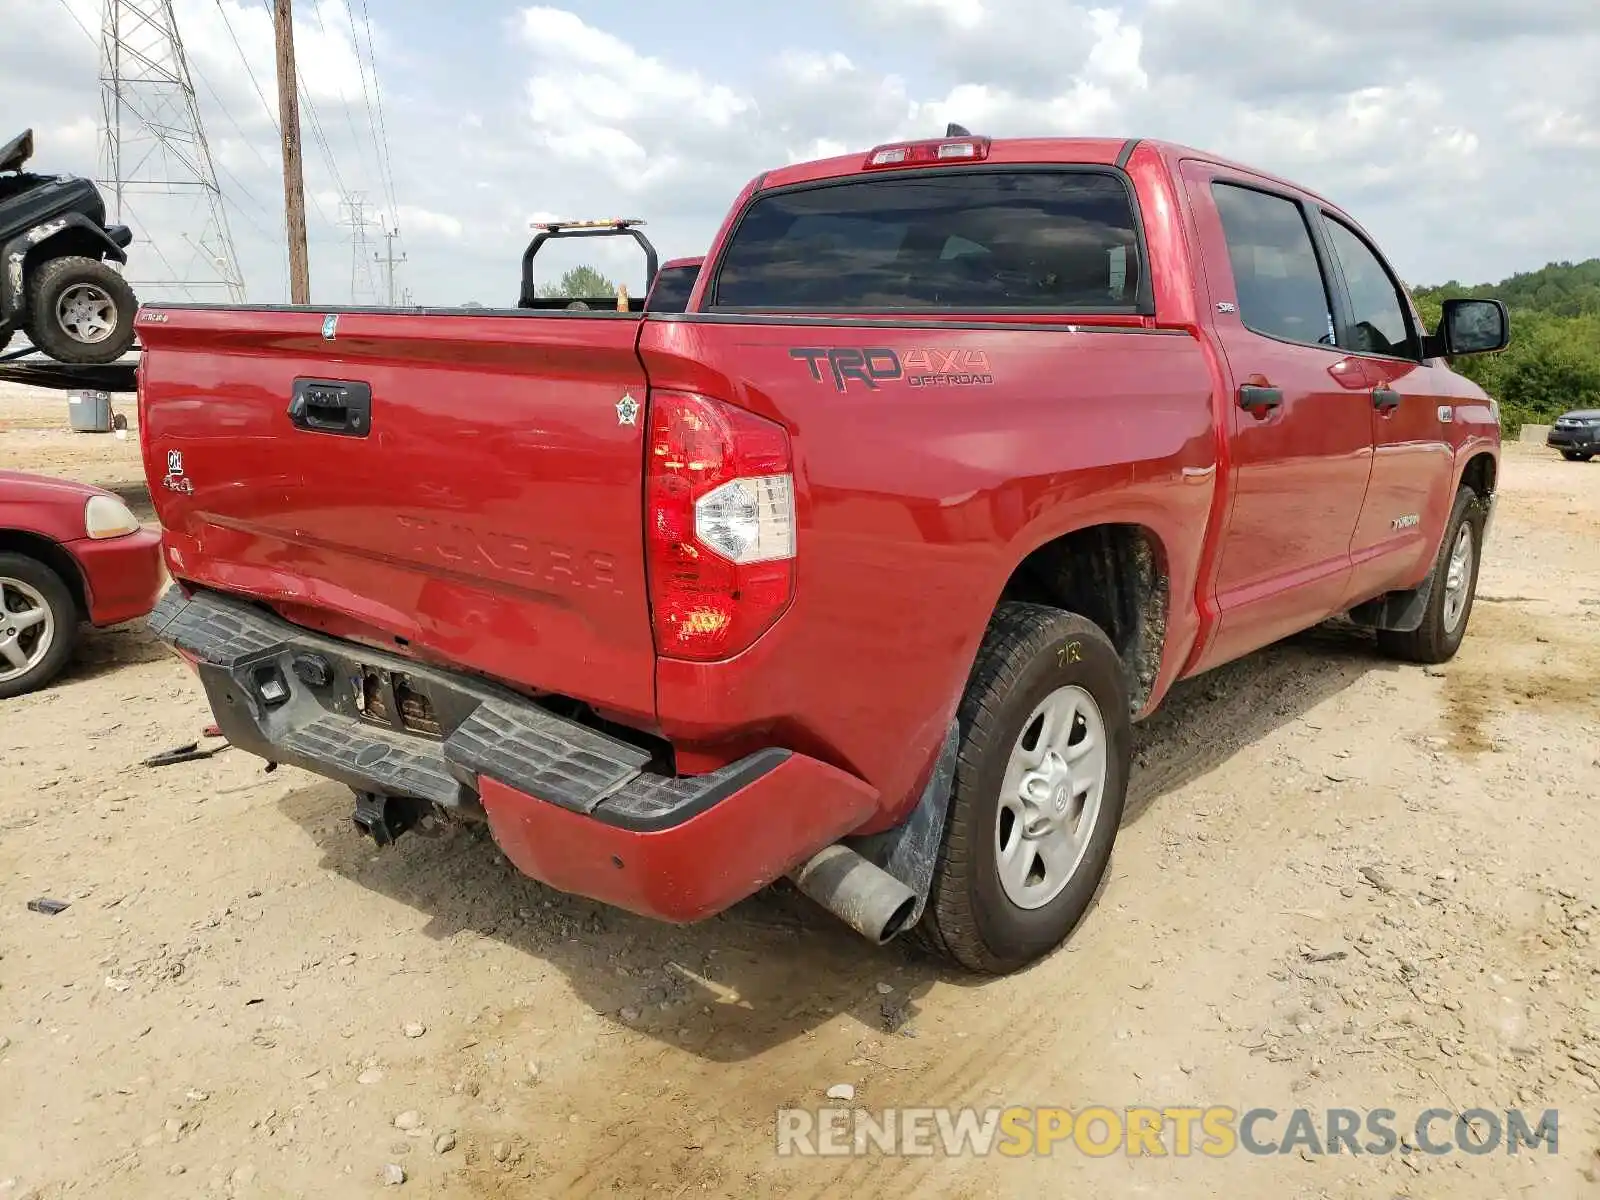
(991, 239)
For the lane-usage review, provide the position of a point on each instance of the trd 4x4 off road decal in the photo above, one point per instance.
(928, 366)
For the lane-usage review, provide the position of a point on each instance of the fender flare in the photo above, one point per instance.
(14, 256)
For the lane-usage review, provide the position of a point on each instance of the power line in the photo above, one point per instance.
(318, 135)
(355, 138)
(387, 161)
(261, 95)
(248, 70)
(76, 21)
(361, 69)
(223, 108)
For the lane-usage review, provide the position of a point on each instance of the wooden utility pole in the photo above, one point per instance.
(294, 188)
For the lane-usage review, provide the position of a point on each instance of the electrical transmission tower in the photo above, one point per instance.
(363, 285)
(154, 159)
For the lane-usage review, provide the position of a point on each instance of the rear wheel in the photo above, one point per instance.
(1577, 455)
(80, 311)
(1455, 583)
(1039, 790)
(38, 624)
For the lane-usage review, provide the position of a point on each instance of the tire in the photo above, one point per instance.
(1437, 639)
(1576, 455)
(1032, 657)
(26, 585)
(80, 311)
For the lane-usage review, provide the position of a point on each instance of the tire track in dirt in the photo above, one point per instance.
(940, 1067)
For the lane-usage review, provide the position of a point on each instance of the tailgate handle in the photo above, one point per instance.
(335, 406)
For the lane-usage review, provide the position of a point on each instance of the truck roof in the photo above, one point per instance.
(1093, 151)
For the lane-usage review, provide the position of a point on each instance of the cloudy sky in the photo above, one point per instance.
(1464, 133)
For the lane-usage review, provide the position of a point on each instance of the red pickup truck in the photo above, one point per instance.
(856, 571)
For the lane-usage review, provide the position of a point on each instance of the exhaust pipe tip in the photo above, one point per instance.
(899, 921)
(864, 896)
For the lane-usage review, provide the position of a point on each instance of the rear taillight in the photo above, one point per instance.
(719, 494)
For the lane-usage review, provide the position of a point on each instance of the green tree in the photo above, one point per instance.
(1553, 362)
(580, 283)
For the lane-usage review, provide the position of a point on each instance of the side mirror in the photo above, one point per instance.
(1472, 327)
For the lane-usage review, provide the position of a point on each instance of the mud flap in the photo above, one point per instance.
(1400, 611)
(1403, 611)
(910, 851)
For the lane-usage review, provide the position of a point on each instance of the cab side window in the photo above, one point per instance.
(1379, 323)
(1276, 276)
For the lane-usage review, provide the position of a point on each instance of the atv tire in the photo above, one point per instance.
(80, 311)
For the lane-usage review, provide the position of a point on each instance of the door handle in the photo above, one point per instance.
(1258, 399)
(334, 406)
(1385, 398)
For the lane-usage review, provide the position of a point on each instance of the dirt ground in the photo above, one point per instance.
(1342, 883)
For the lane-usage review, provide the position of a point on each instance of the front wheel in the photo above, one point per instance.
(38, 624)
(1046, 742)
(1576, 455)
(1455, 583)
(80, 311)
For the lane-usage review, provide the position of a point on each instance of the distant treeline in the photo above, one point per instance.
(1553, 362)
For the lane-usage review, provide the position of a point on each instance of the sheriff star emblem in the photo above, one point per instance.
(627, 410)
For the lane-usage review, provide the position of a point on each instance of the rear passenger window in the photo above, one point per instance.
(672, 289)
(1278, 283)
(1378, 323)
(1050, 241)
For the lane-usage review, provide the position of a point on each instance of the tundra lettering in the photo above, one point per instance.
(461, 546)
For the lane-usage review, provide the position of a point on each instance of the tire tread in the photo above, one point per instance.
(40, 307)
(1017, 633)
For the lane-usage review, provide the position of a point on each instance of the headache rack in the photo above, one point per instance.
(605, 227)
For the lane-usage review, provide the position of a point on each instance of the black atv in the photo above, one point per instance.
(56, 283)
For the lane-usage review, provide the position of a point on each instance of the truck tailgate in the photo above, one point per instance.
(486, 511)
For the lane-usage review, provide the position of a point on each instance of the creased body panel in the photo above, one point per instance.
(489, 514)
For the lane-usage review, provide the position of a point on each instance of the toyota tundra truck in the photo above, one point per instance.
(854, 572)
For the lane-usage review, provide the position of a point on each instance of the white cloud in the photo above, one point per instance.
(1464, 133)
(422, 222)
(957, 14)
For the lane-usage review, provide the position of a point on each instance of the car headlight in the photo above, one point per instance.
(108, 517)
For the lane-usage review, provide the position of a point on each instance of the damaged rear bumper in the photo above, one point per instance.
(569, 805)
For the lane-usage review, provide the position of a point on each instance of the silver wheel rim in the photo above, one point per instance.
(1050, 797)
(27, 629)
(86, 313)
(1458, 579)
